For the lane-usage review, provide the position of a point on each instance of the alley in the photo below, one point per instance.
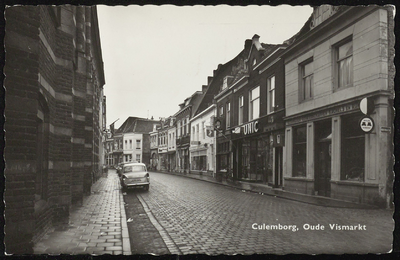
(193, 216)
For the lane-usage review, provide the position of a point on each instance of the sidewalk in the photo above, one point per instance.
(97, 227)
(277, 192)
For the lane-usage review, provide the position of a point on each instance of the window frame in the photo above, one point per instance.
(271, 109)
(336, 62)
(251, 101)
(302, 78)
(241, 110)
(228, 114)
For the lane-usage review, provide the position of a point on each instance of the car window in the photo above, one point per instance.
(135, 168)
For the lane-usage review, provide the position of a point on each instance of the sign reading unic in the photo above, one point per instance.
(250, 128)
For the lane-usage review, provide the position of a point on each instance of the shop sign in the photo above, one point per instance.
(324, 113)
(250, 128)
(162, 150)
(366, 124)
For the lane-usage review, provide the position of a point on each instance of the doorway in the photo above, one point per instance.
(323, 158)
(278, 167)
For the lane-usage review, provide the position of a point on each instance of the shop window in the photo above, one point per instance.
(307, 80)
(199, 163)
(271, 94)
(241, 99)
(299, 151)
(254, 105)
(352, 149)
(344, 64)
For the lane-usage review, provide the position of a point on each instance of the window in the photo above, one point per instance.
(344, 59)
(254, 106)
(193, 137)
(254, 61)
(179, 128)
(197, 132)
(130, 144)
(241, 99)
(352, 149)
(138, 146)
(228, 114)
(225, 84)
(138, 158)
(307, 81)
(204, 129)
(271, 94)
(221, 111)
(187, 125)
(299, 151)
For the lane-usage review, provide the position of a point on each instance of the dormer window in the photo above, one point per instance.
(225, 84)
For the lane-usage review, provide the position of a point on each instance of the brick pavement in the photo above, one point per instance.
(97, 227)
(205, 218)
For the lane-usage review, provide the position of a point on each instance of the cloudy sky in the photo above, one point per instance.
(156, 56)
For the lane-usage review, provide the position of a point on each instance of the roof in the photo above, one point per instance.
(137, 125)
(233, 68)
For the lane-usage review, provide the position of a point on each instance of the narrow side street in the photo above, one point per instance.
(98, 226)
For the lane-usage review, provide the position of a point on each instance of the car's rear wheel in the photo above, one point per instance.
(146, 187)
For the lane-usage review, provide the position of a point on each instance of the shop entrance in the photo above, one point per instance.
(323, 158)
(278, 166)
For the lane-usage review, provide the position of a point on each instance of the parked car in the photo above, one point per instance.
(119, 169)
(135, 175)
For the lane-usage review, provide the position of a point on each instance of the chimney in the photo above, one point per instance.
(248, 43)
(256, 42)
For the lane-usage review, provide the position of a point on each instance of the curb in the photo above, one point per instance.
(304, 198)
(126, 244)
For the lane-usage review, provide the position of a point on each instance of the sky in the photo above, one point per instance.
(157, 56)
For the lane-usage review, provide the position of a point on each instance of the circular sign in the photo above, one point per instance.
(366, 124)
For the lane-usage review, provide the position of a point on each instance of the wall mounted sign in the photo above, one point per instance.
(366, 124)
(250, 128)
(367, 106)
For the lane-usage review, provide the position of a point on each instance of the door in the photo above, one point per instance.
(278, 167)
(323, 168)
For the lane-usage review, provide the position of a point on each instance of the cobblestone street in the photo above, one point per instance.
(197, 217)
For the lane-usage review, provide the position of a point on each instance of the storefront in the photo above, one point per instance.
(331, 153)
(171, 161)
(258, 151)
(163, 159)
(154, 159)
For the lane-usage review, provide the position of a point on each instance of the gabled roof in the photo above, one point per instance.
(137, 125)
(233, 68)
(192, 101)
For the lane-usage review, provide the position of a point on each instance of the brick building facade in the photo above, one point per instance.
(54, 92)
